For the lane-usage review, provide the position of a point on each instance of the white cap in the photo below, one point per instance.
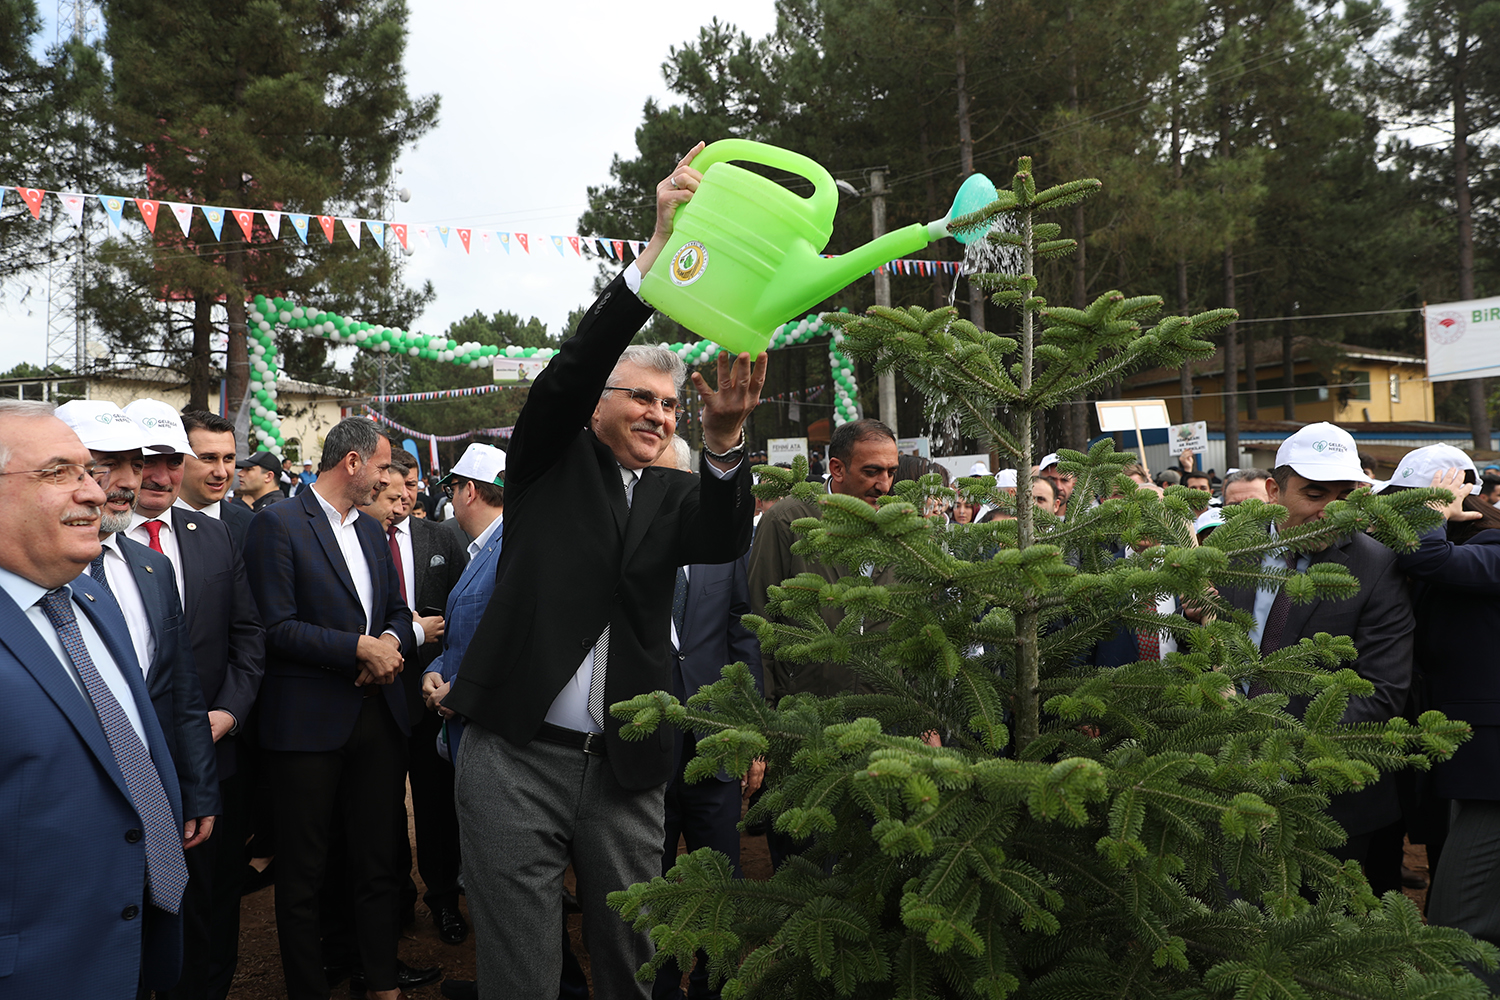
(979, 469)
(1048, 459)
(1322, 453)
(101, 425)
(1005, 479)
(1211, 518)
(483, 463)
(1417, 467)
(162, 426)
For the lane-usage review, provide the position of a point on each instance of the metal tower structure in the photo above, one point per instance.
(68, 265)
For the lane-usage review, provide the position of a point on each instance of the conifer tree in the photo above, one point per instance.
(1142, 831)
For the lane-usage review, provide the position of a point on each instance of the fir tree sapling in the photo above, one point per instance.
(1142, 831)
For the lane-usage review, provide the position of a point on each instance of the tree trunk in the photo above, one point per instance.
(1077, 412)
(237, 357)
(924, 145)
(965, 138)
(1185, 376)
(1252, 389)
(1231, 369)
(1479, 418)
(1288, 366)
(200, 371)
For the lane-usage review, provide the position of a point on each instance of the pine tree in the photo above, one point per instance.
(1143, 831)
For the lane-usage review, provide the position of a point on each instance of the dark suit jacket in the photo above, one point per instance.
(229, 646)
(70, 867)
(576, 556)
(1379, 620)
(1454, 588)
(438, 560)
(236, 517)
(712, 636)
(313, 621)
(172, 681)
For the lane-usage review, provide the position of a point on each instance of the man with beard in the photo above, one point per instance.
(208, 473)
(144, 585)
(333, 724)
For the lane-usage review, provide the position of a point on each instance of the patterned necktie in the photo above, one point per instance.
(1271, 635)
(96, 570)
(153, 528)
(396, 558)
(166, 872)
(1148, 642)
(679, 603)
(601, 647)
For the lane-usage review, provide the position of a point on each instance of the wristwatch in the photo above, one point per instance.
(729, 456)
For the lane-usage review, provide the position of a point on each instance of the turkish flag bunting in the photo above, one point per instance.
(573, 242)
(33, 199)
(400, 228)
(148, 212)
(463, 235)
(326, 221)
(246, 218)
(521, 237)
(273, 223)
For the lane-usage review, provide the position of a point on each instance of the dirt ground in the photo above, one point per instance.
(259, 976)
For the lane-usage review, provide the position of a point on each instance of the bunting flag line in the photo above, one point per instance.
(583, 245)
(424, 397)
(491, 432)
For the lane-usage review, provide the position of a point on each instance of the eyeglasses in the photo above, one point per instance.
(669, 404)
(69, 474)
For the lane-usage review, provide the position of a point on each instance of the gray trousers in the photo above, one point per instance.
(1466, 889)
(525, 813)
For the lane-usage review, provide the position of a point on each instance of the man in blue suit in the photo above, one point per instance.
(94, 875)
(333, 723)
(477, 487)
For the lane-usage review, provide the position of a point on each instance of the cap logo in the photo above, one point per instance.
(112, 418)
(157, 422)
(1406, 472)
(1320, 446)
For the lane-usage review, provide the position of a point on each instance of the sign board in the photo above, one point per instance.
(517, 370)
(1132, 415)
(914, 446)
(959, 465)
(1463, 339)
(779, 451)
(1188, 437)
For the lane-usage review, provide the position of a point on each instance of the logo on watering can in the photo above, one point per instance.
(689, 263)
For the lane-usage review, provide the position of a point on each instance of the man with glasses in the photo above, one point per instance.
(90, 905)
(579, 620)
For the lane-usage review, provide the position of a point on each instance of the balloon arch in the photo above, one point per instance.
(269, 314)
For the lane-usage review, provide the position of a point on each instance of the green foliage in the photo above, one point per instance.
(1145, 830)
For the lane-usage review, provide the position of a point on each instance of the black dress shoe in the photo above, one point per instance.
(451, 925)
(407, 978)
(460, 989)
(570, 903)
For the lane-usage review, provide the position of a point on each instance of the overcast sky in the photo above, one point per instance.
(536, 100)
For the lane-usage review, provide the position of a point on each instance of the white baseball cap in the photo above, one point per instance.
(1005, 479)
(979, 469)
(101, 425)
(1048, 459)
(161, 425)
(1211, 518)
(1322, 453)
(1417, 467)
(483, 463)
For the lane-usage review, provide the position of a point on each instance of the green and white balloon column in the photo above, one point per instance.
(268, 314)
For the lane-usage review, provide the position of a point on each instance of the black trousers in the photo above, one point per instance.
(436, 815)
(211, 905)
(359, 788)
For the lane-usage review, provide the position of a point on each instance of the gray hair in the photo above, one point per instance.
(1245, 476)
(20, 409)
(654, 357)
(684, 453)
(356, 434)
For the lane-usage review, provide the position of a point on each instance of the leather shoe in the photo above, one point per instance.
(451, 925)
(407, 978)
(460, 989)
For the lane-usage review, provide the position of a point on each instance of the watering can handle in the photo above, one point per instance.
(823, 200)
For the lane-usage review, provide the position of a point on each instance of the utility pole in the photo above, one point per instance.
(67, 271)
(887, 380)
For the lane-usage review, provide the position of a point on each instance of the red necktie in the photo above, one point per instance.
(396, 558)
(153, 528)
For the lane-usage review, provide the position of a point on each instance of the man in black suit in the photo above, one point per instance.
(432, 561)
(333, 720)
(208, 472)
(580, 620)
(228, 647)
(142, 583)
(1315, 466)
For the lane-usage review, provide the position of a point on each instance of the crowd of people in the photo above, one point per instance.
(190, 679)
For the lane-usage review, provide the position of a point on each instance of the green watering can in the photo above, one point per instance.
(744, 253)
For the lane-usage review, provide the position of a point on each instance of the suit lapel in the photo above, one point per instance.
(149, 586)
(650, 491)
(324, 531)
(1298, 615)
(19, 635)
(192, 563)
(614, 485)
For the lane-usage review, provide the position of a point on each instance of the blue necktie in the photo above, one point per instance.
(96, 570)
(166, 872)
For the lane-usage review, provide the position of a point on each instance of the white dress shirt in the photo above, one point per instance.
(169, 547)
(26, 594)
(212, 510)
(478, 544)
(354, 556)
(128, 595)
(409, 574)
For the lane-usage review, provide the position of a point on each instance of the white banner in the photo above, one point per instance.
(781, 450)
(1463, 339)
(1187, 437)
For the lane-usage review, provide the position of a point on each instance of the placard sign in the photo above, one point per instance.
(1187, 437)
(1463, 339)
(780, 450)
(914, 446)
(519, 370)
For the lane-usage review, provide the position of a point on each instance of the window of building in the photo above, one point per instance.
(1395, 388)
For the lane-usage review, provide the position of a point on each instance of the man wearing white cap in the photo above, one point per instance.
(228, 647)
(143, 584)
(1315, 466)
(1062, 482)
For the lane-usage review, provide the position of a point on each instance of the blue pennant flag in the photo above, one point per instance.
(377, 230)
(504, 241)
(215, 217)
(113, 206)
(557, 241)
(299, 223)
(443, 232)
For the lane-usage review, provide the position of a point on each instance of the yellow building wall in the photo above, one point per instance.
(1411, 386)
